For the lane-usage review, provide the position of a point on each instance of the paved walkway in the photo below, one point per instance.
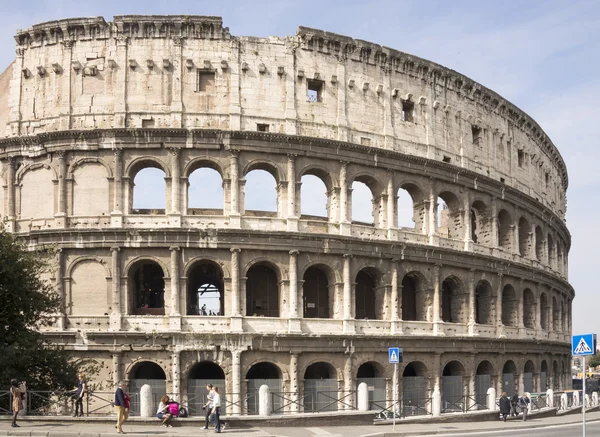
(78, 428)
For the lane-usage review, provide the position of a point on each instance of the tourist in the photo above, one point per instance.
(121, 407)
(217, 409)
(163, 411)
(524, 402)
(208, 406)
(81, 390)
(18, 393)
(504, 406)
(514, 401)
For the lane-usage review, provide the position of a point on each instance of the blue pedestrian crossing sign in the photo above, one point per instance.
(584, 344)
(395, 355)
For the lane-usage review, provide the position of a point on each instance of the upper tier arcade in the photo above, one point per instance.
(189, 72)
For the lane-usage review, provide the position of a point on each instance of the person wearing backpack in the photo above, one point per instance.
(524, 402)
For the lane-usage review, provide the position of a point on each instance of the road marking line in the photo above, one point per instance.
(319, 431)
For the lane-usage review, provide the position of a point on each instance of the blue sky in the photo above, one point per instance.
(541, 55)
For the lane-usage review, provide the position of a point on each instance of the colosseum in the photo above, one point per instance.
(474, 291)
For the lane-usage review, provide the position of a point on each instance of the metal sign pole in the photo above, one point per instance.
(583, 395)
(395, 397)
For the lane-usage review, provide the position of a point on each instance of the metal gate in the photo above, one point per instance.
(508, 383)
(197, 395)
(543, 382)
(320, 395)
(159, 388)
(528, 382)
(482, 384)
(376, 388)
(452, 394)
(252, 394)
(414, 396)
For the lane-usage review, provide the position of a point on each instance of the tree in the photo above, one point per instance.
(28, 303)
(594, 360)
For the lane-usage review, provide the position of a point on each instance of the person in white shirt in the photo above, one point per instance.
(217, 409)
(163, 411)
(208, 406)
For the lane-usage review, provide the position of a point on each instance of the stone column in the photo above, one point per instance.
(116, 312)
(348, 317)
(396, 300)
(236, 380)
(494, 222)
(499, 324)
(392, 222)
(520, 310)
(468, 224)
(60, 285)
(538, 310)
(116, 215)
(116, 364)
(348, 383)
(175, 214)
(294, 387)
(236, 315)
(437, 320)
(176, 110)
(121, 81)
(175, 316)
(472, 303)
(10, 194)
(292, 217)
(342, 118)
(533, 240)
(176, 375)
(294, 320)
(60, 218)
(345, 223)
(13, 123)
(234, 213)
(433, 232)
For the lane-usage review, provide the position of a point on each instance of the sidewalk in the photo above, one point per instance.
(77, 428)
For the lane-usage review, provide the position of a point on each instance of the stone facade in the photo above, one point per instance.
(311, 303)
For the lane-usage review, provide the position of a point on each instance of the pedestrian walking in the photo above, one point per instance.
(121, 407)
(208, 406)
(217, 409)
(504, 406)
(79, 393)
(18, 393)
(514, 402)
(524, 402)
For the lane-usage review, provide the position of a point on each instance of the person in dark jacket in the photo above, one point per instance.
(504, 406)
(514, 402)
(120, 407)
(79, 393)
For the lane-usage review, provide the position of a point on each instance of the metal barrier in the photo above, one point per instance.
(387, 407)
(286, 401)
(6, 403)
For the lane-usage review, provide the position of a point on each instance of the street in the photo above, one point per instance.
(593, 429)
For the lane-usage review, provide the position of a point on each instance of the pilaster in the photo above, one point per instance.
(115, 315)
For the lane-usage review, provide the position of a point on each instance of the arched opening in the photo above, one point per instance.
(412, 208)
(528, 308)
(413, 307)
(544, 376)
(563, 316)
(263, 374)
(449, 217)
(544, 311)
(149, 190)
(555, 376)
(480, 228)
(262, 291)
(367, 300)
(509, 378)
(453, 305)
(539, 243)
(560, 258)
(362, 203)
(524, 237)
(510, 306)
(453, 387)
(205, 192)
(200, 375)
(484, 303)
(146, 372)
(260, 194)
(528, 371)
(371, 374)
(483, 381)
(206, 293)
(551, 252)
(314, 198)
(147, 288)
(315, 291)
(505, 230)
(414, 389)
(320, 388)
(555, 314)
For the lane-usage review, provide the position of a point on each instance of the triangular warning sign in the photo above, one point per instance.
(582, 347)
(393, 356)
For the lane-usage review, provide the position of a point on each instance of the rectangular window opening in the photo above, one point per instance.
(520, 157)
(315, 90)
(446, 159)
(205, 81)
(476, 131)
(547, 176)
(365, 141)
(408, 109)
(260, 127)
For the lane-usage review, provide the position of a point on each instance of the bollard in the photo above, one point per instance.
(436, 402)
(550, 397)
(264, 401)
(491, 399)
(146, 405)
(595, 398)
(363, 397)
(564, 401)
(586, 402)
(575, 398)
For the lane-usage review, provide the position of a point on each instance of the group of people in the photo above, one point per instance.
(513, 405)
